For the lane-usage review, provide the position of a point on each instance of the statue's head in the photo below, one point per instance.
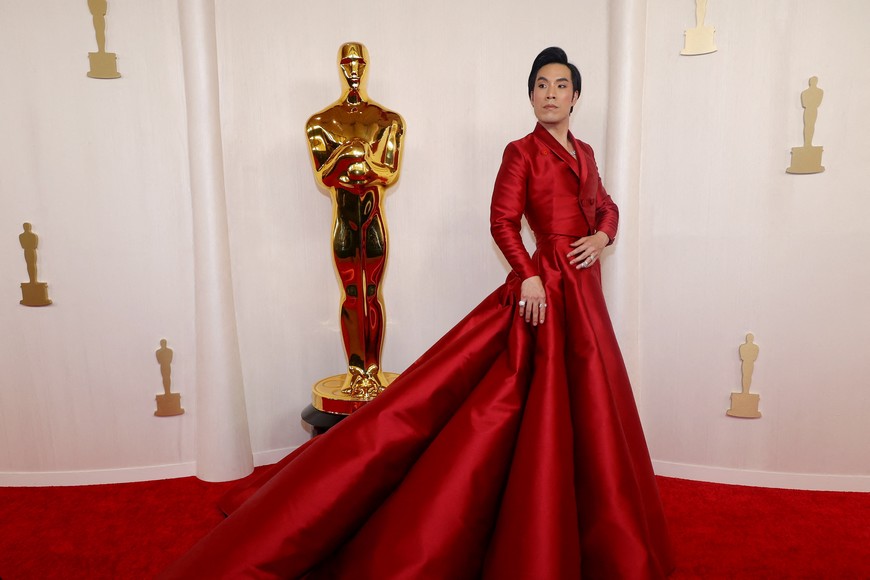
(27, 227)
(352, 58)
(814, 81)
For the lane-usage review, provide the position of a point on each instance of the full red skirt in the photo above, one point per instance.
(504, 452)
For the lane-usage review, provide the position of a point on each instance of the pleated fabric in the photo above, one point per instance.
(506, 451)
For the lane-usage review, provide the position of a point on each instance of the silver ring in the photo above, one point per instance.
(522, 302)
(543, 305)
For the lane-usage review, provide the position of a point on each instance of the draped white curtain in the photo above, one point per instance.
(223, 443)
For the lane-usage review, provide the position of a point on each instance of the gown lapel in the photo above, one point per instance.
(561, 153)
(580, 167)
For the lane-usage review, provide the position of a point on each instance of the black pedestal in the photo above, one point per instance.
(320, 422)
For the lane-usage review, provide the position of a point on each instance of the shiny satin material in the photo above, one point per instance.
(558, 194)
(506, 451)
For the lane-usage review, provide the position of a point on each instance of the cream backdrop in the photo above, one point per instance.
(99, 167)
(717, 240)
(732, 244)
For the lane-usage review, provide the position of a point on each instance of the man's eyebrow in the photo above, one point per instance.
(543, 78)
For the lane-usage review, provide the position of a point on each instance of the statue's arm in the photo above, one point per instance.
(333, 154)
(321, 143)
(328, 150)
(340, 157)
(386, 155)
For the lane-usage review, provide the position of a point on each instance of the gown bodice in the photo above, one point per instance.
(557, 193)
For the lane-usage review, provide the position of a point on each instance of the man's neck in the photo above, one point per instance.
(559, 131)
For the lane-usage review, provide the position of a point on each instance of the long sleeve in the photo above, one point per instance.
(606, 213)
(506, 210)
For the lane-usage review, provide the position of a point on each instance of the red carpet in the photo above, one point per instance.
(133, 530)
(729, 531)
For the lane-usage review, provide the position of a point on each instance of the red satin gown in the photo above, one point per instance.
(505, 452)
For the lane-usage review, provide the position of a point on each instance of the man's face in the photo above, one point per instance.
(553, 94)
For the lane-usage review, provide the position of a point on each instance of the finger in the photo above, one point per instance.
(579, 257)
(578, 249)
(542, 312)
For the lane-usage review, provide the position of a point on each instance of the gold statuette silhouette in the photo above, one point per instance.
(745, 404)
(33, 293)
(104, 65)
(701, 39)
(169, 403)
(355, 146)
(808, 159)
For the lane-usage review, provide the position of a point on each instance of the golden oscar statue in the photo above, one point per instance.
(33, 292)
(745, 404)
(355, 146)
(169, 403)
(104, 64)
(808, 159)
(701, 39)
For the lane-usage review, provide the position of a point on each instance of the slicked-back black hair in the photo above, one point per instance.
(551, 55)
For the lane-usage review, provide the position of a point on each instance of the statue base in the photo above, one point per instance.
(744, 405)
(168, 405)
(327, 395)
(319, 421)
(34, 294)
(104, 65)
(806, 160)
(699, 41)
